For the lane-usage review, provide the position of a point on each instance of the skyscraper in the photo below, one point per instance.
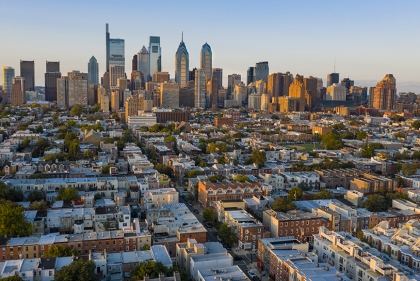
(297, 91)
(134, 63)
(155, 55)
(143, 59)
(51, 75)
(233, 80)
(107, 47)
(27, 71)
(206, 60)
(72, 89)
(182, 64)
(18, 96)
(261, 71)
(200, 88)
(93, 71)
(275, 84)
(333, 78)
(218, 72)
(250, 75)
(384, 93)
(213, 90)
(7, 74)
(311, 91)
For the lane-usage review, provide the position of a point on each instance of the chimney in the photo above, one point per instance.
(161, 277)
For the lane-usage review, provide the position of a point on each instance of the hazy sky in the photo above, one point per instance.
(367, 38)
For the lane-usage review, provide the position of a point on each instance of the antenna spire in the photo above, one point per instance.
(182, 37)
(334, 64)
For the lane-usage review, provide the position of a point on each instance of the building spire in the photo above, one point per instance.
(182, 37)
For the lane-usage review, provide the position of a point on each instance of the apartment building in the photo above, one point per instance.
(339, 177)
(370, 184)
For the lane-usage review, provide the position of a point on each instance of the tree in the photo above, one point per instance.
(145, 247)
(361, 135)
(39, 206)
(97, 196)
(338, 127)
(222, 160)
(69, 137)
(410, 168)
(74, 150)
(283, 205)
(275, 117)
(225, 233)
(211, 147)
(209, 215)
(39, 129)
(415, 124)
(76, 110)
(323, 194)
(88, 155)
(154, 128)
(369, 150)
(12, 278)
(376, 203)
(67, 194)
(215, 178)
(60, 251)
(259, 157)
(13, 222)
(295, 193)
(241, 178)
(40, 146)
(150, 268)
(332, 141)
(10, 194)
(399, 135)
(192, 173)
(35, 195)
(78, 270)
(24, 144)
(163, 169)
(170, 139)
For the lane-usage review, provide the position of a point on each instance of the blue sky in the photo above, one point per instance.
(367, 38)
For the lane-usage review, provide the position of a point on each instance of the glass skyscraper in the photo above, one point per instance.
(143, 60)
(93, 71)
(182, 72)
(7, 73)
(155, 54)
(206, 60)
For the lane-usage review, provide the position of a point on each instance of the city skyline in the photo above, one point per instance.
(361, 45)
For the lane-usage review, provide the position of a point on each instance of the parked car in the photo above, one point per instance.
(252, 274)
(209, 225)
(196, 211)
(237, 258)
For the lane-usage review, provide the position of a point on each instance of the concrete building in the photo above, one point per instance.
(186, 95)
(275, 85)
(136, 103)
(17, 96)
(103, 99)
(233, 81)
(336, 92)
(333, 78)
(261, 71)
(321, 130)
(203, 262)
(254, 101)
(213, 91)
(27, 71)
(169, 95)
(7, 73)
(115, 100)
(384, 94)
(51, 75)
(161, 77)
(297, 91)
(287, 104)
(200, 88)
(312, 93)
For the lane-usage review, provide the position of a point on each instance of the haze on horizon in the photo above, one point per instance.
(366, 38)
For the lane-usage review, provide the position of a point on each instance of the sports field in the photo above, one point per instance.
(307, 147)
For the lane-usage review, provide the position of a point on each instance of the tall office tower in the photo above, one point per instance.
(333, 78)
(218, 72)
(51, 75)
(18, 94)
(27, 71)
(320, 84)
(240, 94)
(371, 90)
(169, 95)
(72, 89)
(182, 61)
(200, 88)
(122, 85)
(297, 91)
(311, 94)
(63, 91)
(115, 99)
(93, 71)
(213, 90)
(108, 54)
(250, 75)
(192, 74)
(186, 95)
(93, 94)
(254, 101)
(206, 60)
(134, 63)
(261, 71)
(106, 83)
(143, 59)
(384, 93)
(137, 80)
(7, 73)
(233, 80)
(103, 99)
(336, 92)
(155, 52)
(287, 80)
(274, 84)
(287, 104)
(115, 72)
(260, 87)
(159, 64)
(346, 82)
(161, 77)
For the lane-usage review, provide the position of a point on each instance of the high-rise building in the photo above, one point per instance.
(93, 71)
(275, 84)
(115, 99)
(51, 75)
(218, 72)
(27, 71)
(186, 95)
(115, 72)
(116, 60)
(161, 77)
(233, 80)
(103, 99)
(122, 85)
(72, 89)
(182, 61)
(200, 88)
(7, 74)
(384, 93)
(108, 54)
(93, 94)
(213, 90)
(346, 82)
(260, 87)
(287, 104)
(311, 91)
(18, 94)
(240, 94)
(254, 101)
(261, 71)
(250, 75)
(143, 59)
(371, 91)
(206, 60)
(137, 80)
(155, 52)
(336, 92)
(297, 91)
(134, 63)
(287, 80)
(192, 74)
(333, 78)
(169, 95)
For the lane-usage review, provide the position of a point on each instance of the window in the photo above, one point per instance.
(259, 230)
(307, 222)
(246, 238)
(291, 223)
(50, 273)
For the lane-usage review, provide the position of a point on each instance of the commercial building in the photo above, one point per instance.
(333, 78)
(182, 60)
(169, 95)
(206, 61)
(297, 91)
(171, 115)
(287, 104)
(27, 71)
(384, 93)
(17, 96)
(143, 61)
(233, 81)
(155, 55)
(51, 75)
(275, 85)
(220, 122)
(72, 89)
(261, 71)
(336, 92)
(311, 91)
(93, 71)
(7, 73)
(161, 77)
(250, 75)
(200, 88)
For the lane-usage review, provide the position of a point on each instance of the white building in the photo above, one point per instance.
(336, 92)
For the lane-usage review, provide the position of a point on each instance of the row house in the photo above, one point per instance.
(370, 184)
(339, 177)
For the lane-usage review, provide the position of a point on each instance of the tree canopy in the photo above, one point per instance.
(332, 141)
(60, 251)
(13, 222)
(295, 193)
(79, 270)
(76, 110)
(283, 205)
(209, 215)
(150, 268)
(369, 150)
(241, 178)
(67, 194)
(226, 234)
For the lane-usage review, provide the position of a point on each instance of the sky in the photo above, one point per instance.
(366, 39)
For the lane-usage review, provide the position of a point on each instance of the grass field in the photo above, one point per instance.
(307, 147)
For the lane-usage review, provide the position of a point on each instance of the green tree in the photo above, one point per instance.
(259, 157)
(12, 278)
(170, 139)
(376, 203)
(97, 196)
(275, 117)
(67, 194)
(13, 222)
(222, 160)
(361, 135)
(226, 234)
(295, 193)
(78, 270)
(150, 268)
(202, 164)
(369, 150)
(415, 124)
(283, 205)
(332, 141)
(74, 150)
(410, 168)
(88, 155)
(145, 247)
(163, 169)
(192, 173)
(42, 205)
(211, 147)
(154, 128)
(339, 127)
(69, 137)
(323, 194)
(209, 215)
(40, 147)
(35, 195)
(23, 144)
(10, 194)
(60, 251)
(399, 135)
(39, 129)
(76, 110)
(215, 178)
(241, 178)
